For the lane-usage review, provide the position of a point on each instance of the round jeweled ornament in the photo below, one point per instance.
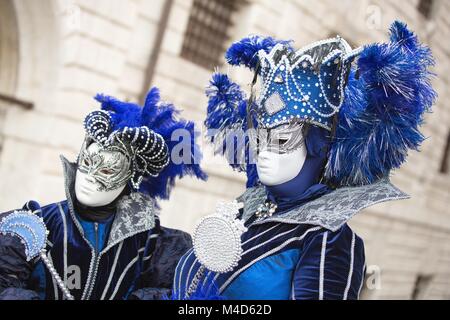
(32, 232)
(29, 228)
(217, 239)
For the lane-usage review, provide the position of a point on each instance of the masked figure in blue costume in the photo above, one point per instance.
(105, 240)
(326, 128)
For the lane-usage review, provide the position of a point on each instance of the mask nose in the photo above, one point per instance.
(263, 156)
(90, 178)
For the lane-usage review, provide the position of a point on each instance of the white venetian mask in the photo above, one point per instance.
(281, 154)
(101, 176)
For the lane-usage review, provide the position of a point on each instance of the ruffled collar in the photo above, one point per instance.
(331, 210)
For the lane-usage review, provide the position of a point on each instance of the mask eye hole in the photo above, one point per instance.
(106, 171)
(86, 162)
(281, 141)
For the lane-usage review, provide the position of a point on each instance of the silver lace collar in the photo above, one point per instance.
(330, 211)
(135, 212)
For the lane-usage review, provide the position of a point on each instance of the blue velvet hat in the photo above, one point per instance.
(307, 84)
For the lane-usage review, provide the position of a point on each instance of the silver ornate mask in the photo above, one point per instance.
(282, 139)
(109, 166)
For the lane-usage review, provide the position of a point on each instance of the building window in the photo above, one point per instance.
(445, 164)
(425, 7)
(207, 32)
(421, 286)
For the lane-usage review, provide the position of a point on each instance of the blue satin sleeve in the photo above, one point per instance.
(331, 266)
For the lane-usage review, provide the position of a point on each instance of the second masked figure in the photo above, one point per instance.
(105, 240)
(317, 141)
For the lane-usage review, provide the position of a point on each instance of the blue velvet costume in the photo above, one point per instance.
(130, 254)
(371, 101)
(116, 251)
(283, 261)
(292, 255)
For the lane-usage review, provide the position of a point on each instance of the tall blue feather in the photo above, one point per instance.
(163, 119)
(383, 110)
(227, 105)
(244, 52)
(226, 119)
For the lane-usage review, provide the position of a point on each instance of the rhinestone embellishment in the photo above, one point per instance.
(265, 210)
(278, 79)
(274, 104)
(217, 238)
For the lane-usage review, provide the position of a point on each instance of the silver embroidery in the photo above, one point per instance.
(135, 214)
(330, 211)
(113, 270)
(122, 276)
(63, 218)
(251, 200)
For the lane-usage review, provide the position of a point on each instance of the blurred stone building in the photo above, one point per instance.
(56, 54)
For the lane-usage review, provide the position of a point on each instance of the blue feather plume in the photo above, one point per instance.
(163, 119)
(245, 51)
(226, 121)
(227, 106)
(383, 109)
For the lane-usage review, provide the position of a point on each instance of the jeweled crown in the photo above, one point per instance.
(304, 85)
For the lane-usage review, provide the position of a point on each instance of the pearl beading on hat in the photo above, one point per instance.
(140, 143)
(271, 74)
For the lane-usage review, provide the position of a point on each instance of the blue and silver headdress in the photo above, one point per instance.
(145, 136)
(371, 99)
(307, 84)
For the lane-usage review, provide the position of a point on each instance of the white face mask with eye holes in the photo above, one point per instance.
(281, 154)
(102, 175)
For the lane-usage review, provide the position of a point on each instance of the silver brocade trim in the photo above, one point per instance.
(124, 272)
(113, 270)
(350, 272)
(63, 218)
(331, 210)
(135, 213)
